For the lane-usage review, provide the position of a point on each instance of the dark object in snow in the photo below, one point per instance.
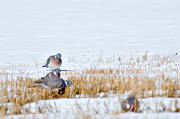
(53, 61)
(130, 104)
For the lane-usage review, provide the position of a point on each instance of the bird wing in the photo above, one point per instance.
(40, 85)
(55, 83)
(47, 76)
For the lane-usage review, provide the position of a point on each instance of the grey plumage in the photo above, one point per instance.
(53, 61)
(53, 83)
(68, 82)
(55, 73)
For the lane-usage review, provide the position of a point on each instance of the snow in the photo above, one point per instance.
(165, 115)
(100, 105)
(85, 31)
(158, 107)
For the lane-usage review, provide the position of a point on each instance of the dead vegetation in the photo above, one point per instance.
(144, 76)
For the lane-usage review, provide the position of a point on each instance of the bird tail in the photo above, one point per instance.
(68, 82)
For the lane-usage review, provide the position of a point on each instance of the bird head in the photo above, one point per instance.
(58, 55)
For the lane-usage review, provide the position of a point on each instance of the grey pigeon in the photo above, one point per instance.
(53, 61)
(53, 83)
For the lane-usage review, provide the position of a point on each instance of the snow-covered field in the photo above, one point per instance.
(86, 32)
(101, 108)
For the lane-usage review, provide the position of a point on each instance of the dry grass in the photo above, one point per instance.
(145, 76)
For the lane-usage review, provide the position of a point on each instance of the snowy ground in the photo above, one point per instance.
(106, 116)
(84, 31)
(160, 107)
(100, 105)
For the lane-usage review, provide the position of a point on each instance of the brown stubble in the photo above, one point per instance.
(130, 77)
